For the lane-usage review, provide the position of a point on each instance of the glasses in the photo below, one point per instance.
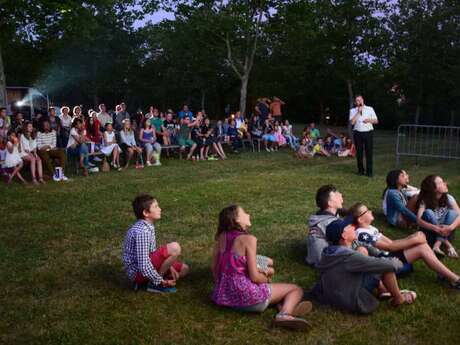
(363, 213)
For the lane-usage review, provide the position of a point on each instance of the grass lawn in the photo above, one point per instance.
(61, 276)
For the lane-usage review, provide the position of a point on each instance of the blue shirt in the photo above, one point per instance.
(396, 205)
(183, 114)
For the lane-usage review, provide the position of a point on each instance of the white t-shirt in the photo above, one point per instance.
(368, 235)
(72, 141)
(368, 113)
(66, 121)
(27, 145)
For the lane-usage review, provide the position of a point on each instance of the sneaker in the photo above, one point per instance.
(157, 164)
(64, 178)
(160, 289)
(97, 159)
(148, 164)
(55, 178)
(93, 170)
(268, 150)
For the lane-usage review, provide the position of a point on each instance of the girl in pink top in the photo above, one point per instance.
(238, 282)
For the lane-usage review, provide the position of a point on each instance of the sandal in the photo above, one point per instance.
(438, 251)
(283, 319)
(385, 295)
(452, 253)
(408, 296)
(455, 285)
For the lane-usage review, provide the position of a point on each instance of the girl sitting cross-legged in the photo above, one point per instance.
(240, 284)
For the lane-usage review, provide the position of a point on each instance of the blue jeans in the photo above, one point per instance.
(80, 150)
(430, 217)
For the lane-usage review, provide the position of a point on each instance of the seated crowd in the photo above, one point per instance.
(357, 264)
(44, 143)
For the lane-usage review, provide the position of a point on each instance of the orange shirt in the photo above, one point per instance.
(275, 108)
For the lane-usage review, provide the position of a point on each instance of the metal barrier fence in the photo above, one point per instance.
(428, 141)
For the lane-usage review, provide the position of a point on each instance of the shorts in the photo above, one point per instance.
(398, 255)
(157, 258)
(259, 307)
(185, 142)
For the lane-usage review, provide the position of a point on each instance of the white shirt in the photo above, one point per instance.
(72, 141)
(368, 113)
(27, 145)
(66, 121)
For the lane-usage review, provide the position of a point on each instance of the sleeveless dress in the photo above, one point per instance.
(147, 136)
(107, 149)
(12, 159)
(234, 287)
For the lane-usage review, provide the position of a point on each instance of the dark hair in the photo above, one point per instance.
(24, 130)
(354, 211)
(227, 220)
(392, 180)
(75, 122)
(141, 203)
(323, 194)
(2, 108)
(427, 194)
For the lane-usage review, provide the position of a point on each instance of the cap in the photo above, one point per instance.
(335, 229)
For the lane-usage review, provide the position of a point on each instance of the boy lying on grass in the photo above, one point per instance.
(149, 267)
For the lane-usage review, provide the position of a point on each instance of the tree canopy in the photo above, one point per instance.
(403, 56)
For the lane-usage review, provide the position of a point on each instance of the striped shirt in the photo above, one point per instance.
(139, 243)
(46, 138)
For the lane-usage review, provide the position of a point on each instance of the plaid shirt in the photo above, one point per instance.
(139, 243)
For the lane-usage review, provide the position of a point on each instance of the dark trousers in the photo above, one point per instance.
(47, 157)
(364, 142)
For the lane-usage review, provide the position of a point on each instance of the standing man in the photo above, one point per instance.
(275, 109)
(362, 118)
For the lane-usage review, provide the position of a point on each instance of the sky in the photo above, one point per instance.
(154, 18)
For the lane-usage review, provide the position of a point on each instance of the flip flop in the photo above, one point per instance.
(288, 321)
(409, 297)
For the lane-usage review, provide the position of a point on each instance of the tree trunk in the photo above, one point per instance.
(2, 82)
(350, 93)
(321, 112)
(203, 98)
(243, 93)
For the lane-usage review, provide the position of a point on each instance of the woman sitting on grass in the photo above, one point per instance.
(238, 282)
(441, 212)
(129, 145)
(407, 250)
(399, 200)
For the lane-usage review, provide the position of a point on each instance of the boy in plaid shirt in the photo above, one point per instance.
(144, 264)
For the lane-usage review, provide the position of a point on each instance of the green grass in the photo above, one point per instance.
(61, 277)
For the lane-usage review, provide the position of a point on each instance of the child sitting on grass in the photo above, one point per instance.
(240, 285)
(304, 152)
(156, 269)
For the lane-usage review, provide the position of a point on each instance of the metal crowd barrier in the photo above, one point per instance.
(428, 141)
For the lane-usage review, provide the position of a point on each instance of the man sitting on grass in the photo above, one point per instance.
(146, 266)
(349, 278)
(330, 201)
